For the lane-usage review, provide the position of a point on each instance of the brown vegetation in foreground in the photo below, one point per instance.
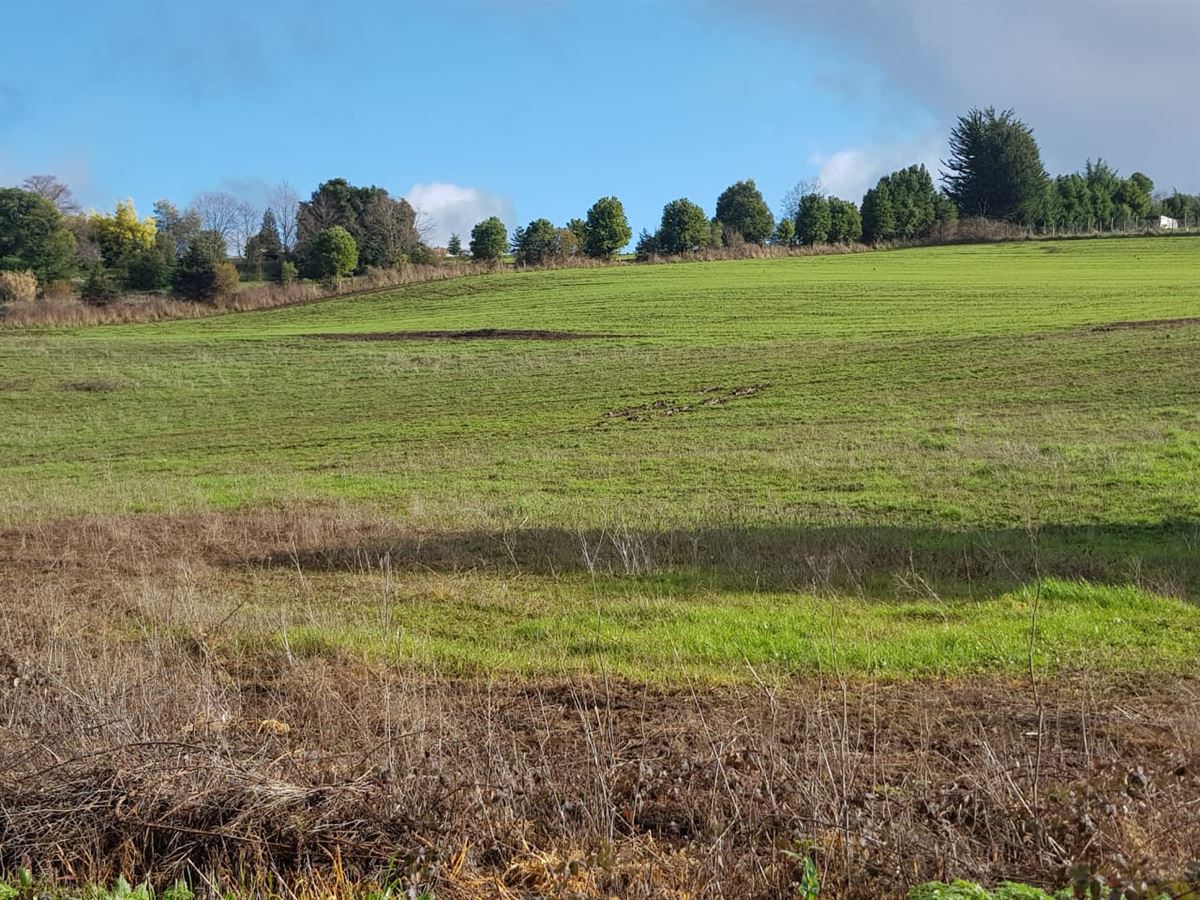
(156, 307)
(134, 741)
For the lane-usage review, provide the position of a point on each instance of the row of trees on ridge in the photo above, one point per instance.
(994, 171)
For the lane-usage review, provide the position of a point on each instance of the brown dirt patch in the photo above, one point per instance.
(1149, 323)
(477, 334)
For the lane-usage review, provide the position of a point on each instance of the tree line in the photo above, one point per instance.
(993, 171)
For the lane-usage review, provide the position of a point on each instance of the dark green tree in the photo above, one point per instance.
(813, 220)
(1183, 207)
(1102, 182)
(647, 246)
(845, 224)
(995, 168)
(330, 255)
(914, 201)
(264, 251)
(536, 244)
(150, 270)
(454, 246)
(608, 230)
(488, 240)
(878, 217)
(741, 208)
(684, 228)
(195, 276)
(578, 227)
(383, 227)
(785, 233)
(1071, 206)
(33, 236)
(1135, 194)
(99, 289)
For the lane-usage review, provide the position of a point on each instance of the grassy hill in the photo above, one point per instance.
(945, 386)
(718, 450)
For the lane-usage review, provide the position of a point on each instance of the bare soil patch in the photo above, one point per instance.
(1149, 323)
(477, 334)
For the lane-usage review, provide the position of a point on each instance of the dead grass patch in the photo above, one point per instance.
(133, 741)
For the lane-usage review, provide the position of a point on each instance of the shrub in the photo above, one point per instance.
(59, 290)
(225, 282)
(17, 287)
(288, 272)
(422, 255)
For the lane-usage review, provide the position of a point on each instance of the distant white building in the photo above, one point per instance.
(1166, 223)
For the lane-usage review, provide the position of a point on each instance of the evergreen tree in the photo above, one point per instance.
(845, 224)
(785, 233)
(995, 168)
(878, 217)
(454, 247)
(535, 244)
(647, 246)
(813, 220)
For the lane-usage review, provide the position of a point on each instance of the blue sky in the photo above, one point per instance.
(536, 109)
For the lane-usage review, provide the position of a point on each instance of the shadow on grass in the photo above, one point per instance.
(871, 561)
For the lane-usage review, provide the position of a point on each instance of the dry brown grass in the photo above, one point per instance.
(134, 740)
(57, 310)
(152, 308)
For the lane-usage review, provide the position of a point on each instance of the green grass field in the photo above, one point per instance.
(875, 461)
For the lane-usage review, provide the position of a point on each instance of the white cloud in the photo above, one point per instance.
(453, 209)
(849, 173)
(1111, 78)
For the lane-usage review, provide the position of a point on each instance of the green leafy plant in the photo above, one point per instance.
(809, 885)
